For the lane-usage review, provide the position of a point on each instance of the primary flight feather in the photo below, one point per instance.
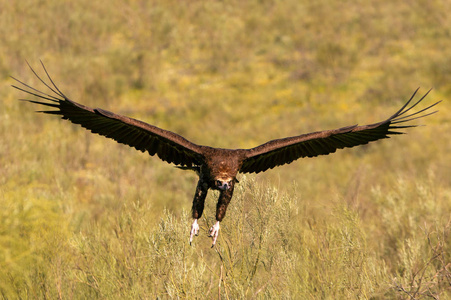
(217, 168)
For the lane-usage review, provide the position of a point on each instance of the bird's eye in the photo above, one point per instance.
(218, 182)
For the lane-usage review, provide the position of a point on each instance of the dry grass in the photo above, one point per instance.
(83, 217)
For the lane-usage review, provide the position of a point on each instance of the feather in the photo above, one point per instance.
(326, 142)
(169, 146)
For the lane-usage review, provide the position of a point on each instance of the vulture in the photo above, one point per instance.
(217, 168)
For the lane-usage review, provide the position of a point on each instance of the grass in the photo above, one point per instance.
(83, 217)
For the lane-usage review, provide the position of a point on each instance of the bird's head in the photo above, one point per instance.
(223, 184)
(221, 171)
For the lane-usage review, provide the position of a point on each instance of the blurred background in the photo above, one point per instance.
(230, 74)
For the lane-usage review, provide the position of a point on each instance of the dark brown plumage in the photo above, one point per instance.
(217, 168)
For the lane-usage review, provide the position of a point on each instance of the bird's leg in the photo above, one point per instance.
(194, 230)
(214, 232)
(224, 199)
(198, 207)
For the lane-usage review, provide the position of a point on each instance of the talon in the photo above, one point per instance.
(194, 231)
(214, 232)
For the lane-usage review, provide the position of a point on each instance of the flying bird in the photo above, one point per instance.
(217, 168)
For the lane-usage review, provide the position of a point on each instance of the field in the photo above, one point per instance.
(82, 217)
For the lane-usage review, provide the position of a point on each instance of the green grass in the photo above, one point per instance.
(84, 217)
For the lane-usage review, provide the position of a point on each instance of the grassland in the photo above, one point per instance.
(84, 218)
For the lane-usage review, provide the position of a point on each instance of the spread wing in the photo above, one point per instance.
(283, 151)
(169, 146)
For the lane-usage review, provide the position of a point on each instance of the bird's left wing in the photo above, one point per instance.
(283, 151)
(169, 146)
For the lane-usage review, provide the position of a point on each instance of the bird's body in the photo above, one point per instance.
(217, 168)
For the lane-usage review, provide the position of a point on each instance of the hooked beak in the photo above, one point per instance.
(223, 185)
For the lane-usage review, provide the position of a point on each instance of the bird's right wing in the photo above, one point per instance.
(168, 145)
(284, 151)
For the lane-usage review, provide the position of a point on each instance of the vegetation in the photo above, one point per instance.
(83, 218)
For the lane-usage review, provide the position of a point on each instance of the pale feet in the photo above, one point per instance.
(214, 232)
(194, 230)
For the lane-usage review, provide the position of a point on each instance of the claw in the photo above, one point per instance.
(194, 231)
(214, 232)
